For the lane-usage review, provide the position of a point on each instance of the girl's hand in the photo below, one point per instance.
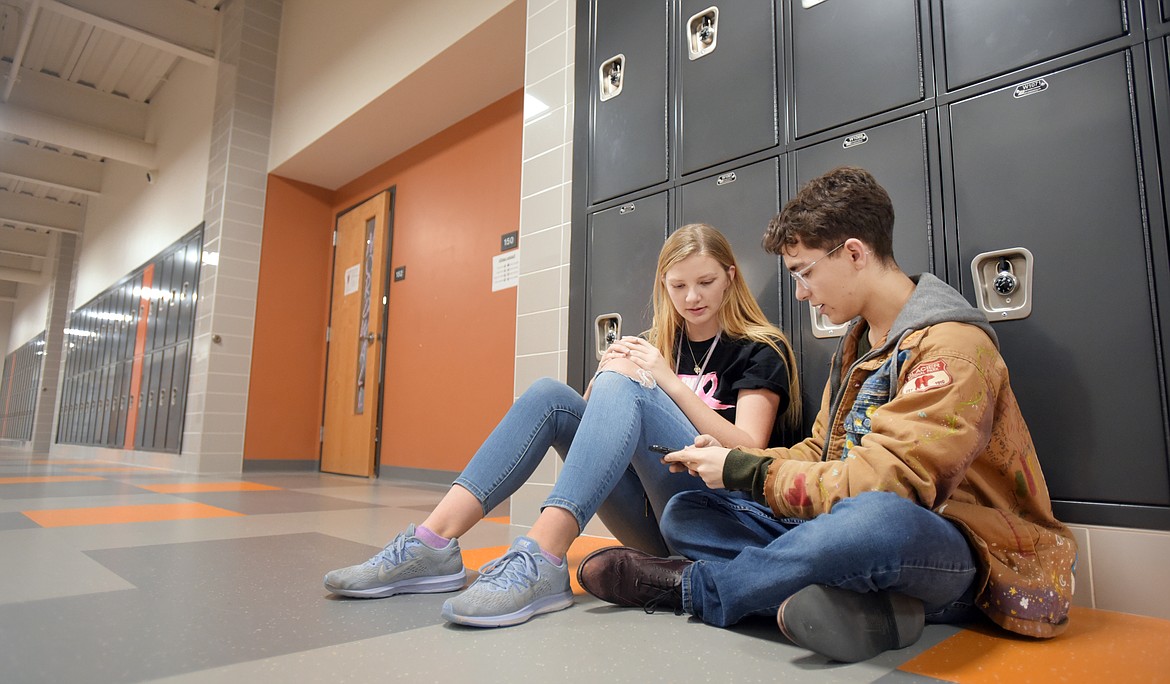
(644, 355)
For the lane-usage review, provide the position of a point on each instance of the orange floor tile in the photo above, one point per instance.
(583, 546)
(1099, 646)
(192, 487)
(111, 515)
(500, 520)
(49, 478)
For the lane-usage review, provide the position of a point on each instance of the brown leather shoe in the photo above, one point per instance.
(629, 577)
(847, 626)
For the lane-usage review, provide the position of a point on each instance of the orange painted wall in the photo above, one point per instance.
(451, 340)
(451, 344)
(292, 310)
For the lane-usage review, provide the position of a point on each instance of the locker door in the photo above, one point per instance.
(178, 399)
(985, 38)
(622, 257)
(187, 289)
(145, 404)
(1050, 166)
(125, 402)
(627, 147)
(170, 307)
(852, 59)
(740, 203)
(726, 54)
(897, 155)
(163, 398)
(157, 324)
(101, 406)
(63, 411)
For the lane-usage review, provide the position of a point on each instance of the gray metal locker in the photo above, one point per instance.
(985, 38)
(1049, 165)
(121, 391)
(852, 59)
(102, 407)
(898, 155)
(187, 288)
(156, 337)
(622, 257)
(144, 407)
(740, 202)
(170, 298)
(163, 398)
(178, 399)
(627, 148)
(727, 84)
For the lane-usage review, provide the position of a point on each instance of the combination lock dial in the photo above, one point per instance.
(1005, 281)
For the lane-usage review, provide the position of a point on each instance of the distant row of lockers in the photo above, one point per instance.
(128, 353)
(1035, 132)
(18, 394)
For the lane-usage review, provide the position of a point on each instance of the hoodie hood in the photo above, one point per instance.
(934, 302)
(931, 303)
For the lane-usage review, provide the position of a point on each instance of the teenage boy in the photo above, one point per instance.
(918, 495)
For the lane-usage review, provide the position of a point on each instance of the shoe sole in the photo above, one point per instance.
(848, 626)
(418, 585)
(548, 604)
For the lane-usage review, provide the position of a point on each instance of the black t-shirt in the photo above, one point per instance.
(735, 364)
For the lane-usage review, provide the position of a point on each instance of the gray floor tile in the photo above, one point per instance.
(34, 490)
(272, 501)
(15, 521)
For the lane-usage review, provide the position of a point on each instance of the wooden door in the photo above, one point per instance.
(353, 375)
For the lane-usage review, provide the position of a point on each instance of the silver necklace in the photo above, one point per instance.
(706, 357)
(694, 358)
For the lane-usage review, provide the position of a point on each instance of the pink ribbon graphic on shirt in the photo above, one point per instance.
(706, 389)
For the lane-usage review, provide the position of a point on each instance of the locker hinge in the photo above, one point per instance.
(321, 435)
(335, 238)
(328, 333)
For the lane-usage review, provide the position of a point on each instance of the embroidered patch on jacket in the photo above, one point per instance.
(927, 376)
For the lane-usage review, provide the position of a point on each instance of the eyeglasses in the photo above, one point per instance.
(798, 277)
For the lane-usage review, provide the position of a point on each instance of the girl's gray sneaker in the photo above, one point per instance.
(405, 566)
(512, 589)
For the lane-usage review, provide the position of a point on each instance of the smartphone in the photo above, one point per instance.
(664, 450)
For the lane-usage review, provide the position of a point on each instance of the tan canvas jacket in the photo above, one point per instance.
(938, 423)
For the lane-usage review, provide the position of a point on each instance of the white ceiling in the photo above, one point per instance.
(76, 78)
(76, 82)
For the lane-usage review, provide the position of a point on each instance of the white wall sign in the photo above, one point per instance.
(505, 270)
(352, 276)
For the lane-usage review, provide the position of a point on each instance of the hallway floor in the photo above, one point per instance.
(111, 573)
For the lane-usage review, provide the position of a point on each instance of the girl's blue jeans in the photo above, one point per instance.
(748, 561)
(607, 468)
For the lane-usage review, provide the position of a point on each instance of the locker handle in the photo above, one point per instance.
(726, 178)
(612, 74)
(607, 328)
(1003, 283)
(702, 33)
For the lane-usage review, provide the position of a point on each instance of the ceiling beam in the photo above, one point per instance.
(178, 27)
(82, 104)
(24, 210)
(63, 171)
(26, 28)
(20, 275)
(27, 123)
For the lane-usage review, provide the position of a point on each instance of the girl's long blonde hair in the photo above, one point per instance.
(740, 315)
